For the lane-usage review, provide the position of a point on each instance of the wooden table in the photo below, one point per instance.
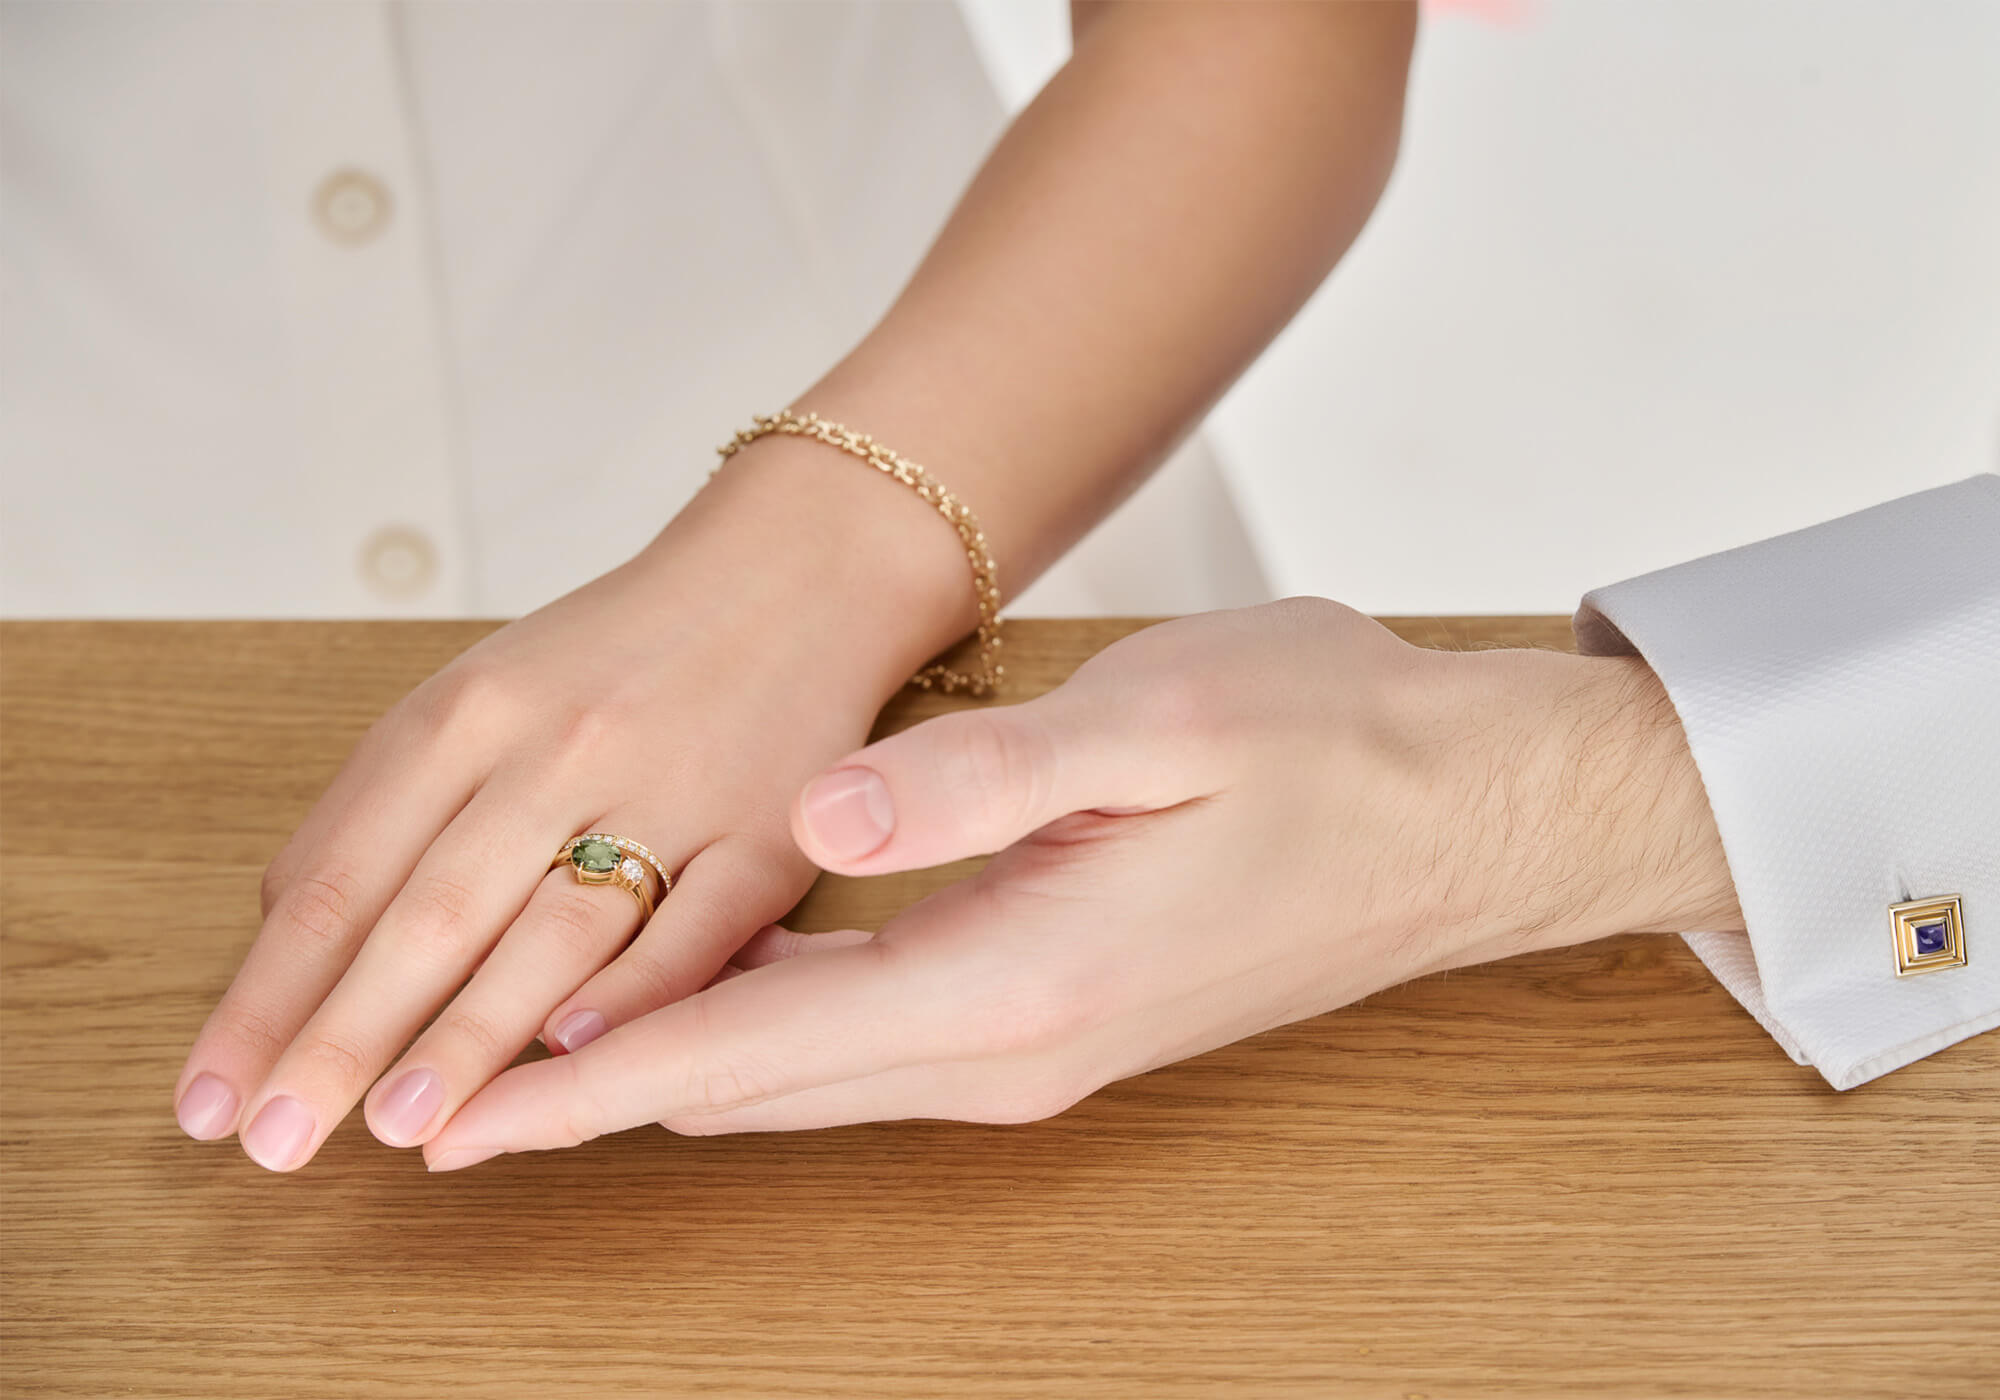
(1584, 1172)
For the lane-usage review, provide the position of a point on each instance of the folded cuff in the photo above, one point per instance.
(1840, 690)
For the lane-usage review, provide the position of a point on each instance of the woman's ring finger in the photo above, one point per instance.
(600, 858)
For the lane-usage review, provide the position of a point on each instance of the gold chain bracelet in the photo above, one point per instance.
(985, 581)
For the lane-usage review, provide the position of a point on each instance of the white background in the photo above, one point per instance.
(1653, 278)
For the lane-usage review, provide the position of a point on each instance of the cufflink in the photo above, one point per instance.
(1929, 934)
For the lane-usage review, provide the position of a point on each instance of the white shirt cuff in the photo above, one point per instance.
(1840, 689)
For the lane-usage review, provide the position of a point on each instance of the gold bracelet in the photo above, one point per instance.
(985, 582)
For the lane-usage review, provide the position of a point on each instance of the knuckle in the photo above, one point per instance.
(256, 1033)
(727, 1084)
(1305, 610)
(653, 980)
(1028, 1016)
(782, 943)
(455, 700)
(338, 1061)
(272, 887)
(1024, 1101)
(324, 905)
(580, 735)
(718, 1082)
(476, 1029)
(585, 1114)
(442, 906)
(693, 1125)
(1001, 767)
(578, 926)
(1182, 705)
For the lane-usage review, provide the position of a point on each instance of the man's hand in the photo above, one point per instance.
(1219, 825)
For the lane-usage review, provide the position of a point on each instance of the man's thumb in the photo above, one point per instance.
(968, 783)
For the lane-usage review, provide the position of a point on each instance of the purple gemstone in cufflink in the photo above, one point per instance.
(1929, 934)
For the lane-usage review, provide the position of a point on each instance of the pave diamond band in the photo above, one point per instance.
(599, 858)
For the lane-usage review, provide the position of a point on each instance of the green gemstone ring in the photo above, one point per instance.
(599, 858)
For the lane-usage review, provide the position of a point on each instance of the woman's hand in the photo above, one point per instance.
(1219, 825)
(679, 701)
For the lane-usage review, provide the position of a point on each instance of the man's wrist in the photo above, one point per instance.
(1637, 807)
(1594, 817)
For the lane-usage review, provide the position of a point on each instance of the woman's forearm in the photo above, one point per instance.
(1142, 231)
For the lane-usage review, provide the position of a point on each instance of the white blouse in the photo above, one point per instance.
(377, 309)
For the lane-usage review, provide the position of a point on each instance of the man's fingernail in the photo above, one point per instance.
(579, 1028)
(408, 1107)
(276, 1138)
(848, 812)
(457, 1157)
(208, 1109)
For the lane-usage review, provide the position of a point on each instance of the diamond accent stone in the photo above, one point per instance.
(631, 869)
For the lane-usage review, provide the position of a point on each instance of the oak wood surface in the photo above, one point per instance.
(1584, 1172)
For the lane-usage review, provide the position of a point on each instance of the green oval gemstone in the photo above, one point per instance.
(598, 857)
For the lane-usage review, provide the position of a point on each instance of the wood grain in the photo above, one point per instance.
(1581, 1173)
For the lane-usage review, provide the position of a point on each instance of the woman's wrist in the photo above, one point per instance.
(821, 559)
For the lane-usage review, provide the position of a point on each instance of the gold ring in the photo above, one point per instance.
(599, 858)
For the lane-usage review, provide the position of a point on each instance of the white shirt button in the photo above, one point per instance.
(398, 562)
(351, 206)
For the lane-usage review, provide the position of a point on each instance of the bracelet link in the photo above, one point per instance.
(985, 575)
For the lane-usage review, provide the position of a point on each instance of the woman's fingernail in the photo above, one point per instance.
(276, 1138)
(207, 1110)
(848, 812)
(579, 1028)
(458, 1157)
(408, 1107)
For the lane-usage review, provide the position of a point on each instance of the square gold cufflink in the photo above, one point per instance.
(1929, 934)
